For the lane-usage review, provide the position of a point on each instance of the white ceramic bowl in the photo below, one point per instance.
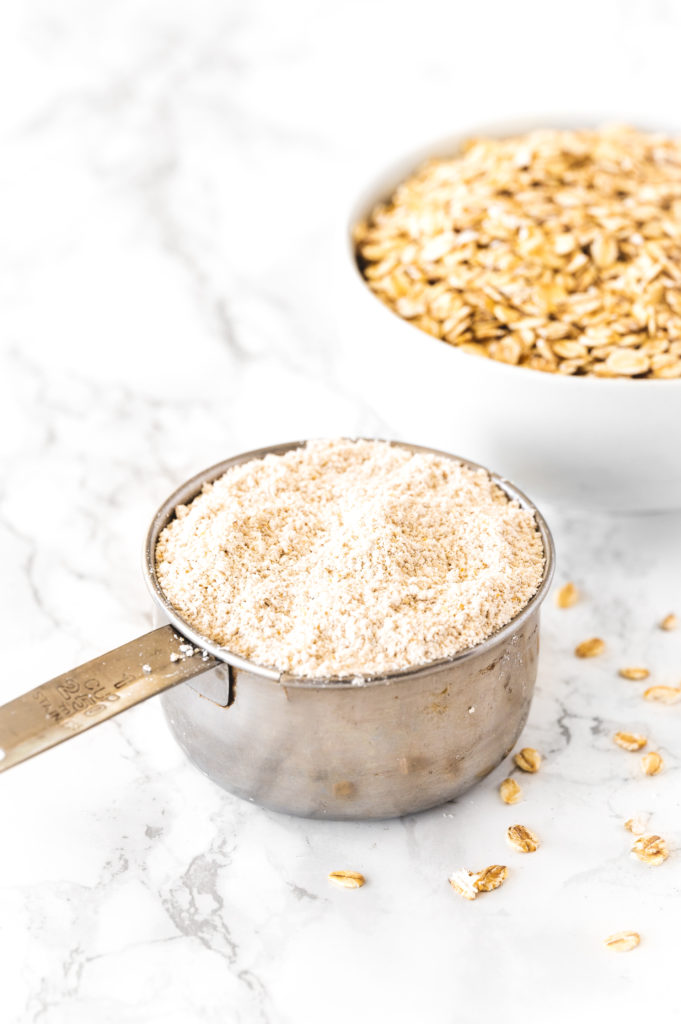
(579, 441)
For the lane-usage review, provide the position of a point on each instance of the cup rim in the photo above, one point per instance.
(382, 181)
(191, 487)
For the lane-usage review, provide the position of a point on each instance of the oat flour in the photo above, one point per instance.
(347, 558)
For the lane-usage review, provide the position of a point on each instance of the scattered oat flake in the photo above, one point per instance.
(670, 622)
(630, 740)
(623, 942)
(590, 648)
(347, 879)
(650, 849)
(463, 882)
(528, 759)
(491, 878)
(521, 839)
(635, 672)
(652, 763)
(567, 596)
(469, 883)
(637, 825)
(663, 694)
(146, 668)
(510, 792)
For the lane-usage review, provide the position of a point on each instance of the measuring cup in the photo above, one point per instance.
(321, 748)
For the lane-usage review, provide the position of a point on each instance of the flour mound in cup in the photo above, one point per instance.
(350, 558)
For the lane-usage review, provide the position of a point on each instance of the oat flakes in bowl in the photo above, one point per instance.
(552, 248)
(555, 250)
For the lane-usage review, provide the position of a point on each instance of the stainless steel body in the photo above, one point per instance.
(379, 750)
(371, 748)
(335, 749)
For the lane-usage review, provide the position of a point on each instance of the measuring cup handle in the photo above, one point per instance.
(71, 703)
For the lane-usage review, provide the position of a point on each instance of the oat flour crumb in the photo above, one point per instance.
(349, 558)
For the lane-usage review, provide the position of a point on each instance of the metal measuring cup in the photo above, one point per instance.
(388, 746)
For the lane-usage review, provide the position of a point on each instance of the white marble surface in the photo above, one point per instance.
(166, 300)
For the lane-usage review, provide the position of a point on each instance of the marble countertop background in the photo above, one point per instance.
(169, 183)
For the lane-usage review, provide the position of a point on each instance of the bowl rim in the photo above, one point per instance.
(192, 487)
(382, 183)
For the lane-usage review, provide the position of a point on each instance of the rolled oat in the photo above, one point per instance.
(510, 792)
(623, 942)
(650, 849)
(469, 883)
(652, 763)
(528, 760)
(567, 596)
(635, 672)
(347, 879)
(663, 694)
(590, 648)
(521, 839)
(630, 740)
